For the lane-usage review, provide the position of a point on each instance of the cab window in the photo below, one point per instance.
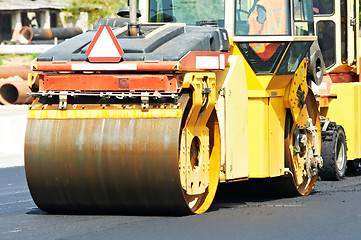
(262, 17)
(189, 12)
(323, 7)
(303, 18)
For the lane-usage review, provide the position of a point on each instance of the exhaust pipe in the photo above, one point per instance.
(14, 92)
(133, 18)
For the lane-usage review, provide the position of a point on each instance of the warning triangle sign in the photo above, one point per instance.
(104, 47)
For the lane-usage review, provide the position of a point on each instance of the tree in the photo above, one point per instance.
(95, 9)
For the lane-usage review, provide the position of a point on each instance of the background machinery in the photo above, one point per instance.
(337, 27)
(151, 116)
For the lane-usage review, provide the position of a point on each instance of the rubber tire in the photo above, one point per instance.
(330, 149)
(316, 68)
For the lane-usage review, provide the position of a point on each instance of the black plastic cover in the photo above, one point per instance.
(170, 44)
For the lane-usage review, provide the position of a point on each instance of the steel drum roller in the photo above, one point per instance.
(103, 164)
(109, 165)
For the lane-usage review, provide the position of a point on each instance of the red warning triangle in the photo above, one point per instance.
(104, 47)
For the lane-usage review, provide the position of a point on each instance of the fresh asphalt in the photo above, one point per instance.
(331, 211)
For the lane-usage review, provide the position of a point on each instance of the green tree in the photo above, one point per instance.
(95, 9)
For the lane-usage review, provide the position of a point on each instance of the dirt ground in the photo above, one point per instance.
(16, 60)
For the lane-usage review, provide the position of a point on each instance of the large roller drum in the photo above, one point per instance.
(110, 161)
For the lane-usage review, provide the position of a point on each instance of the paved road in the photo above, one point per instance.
(332, 211)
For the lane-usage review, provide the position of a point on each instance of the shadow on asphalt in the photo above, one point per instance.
(236, 194)
(354, 174)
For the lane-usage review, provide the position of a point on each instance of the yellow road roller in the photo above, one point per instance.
(339, 93)
(148, 112)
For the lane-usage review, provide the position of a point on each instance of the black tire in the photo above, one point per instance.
(316, 68)
(333, 152)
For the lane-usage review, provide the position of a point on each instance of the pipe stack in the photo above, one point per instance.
(28, 34)
(14, 85)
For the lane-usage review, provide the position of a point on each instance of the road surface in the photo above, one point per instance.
(332, 211)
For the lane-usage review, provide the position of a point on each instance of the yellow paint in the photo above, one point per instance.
(266, 93)
(269, 96)
(279, 82)
(345, 110)
(266, 136)
(234, 48)
(266, 119)
(252, 80)
(104, 113)
(33, 81)
(297, 85)
(252, 134)
(194, 171)
(197, 83)
(232, 111)
(214, 168)
(258, 128)
(277, 116)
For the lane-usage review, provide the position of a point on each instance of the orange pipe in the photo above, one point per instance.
(10, 71)
(14, 92)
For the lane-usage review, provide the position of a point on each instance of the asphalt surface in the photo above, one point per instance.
(332, 211)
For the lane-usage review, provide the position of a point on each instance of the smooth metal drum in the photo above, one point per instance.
(110, 165)
(104, 164)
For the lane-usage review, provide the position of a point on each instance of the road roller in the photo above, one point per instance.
(339, 92)
(149, 113)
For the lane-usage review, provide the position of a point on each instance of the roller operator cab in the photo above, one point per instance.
(149, 115)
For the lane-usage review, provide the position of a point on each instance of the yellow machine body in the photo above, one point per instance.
(225, 118)
(345, 110)
(253, 117)
(339, 93)
(252, 134)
